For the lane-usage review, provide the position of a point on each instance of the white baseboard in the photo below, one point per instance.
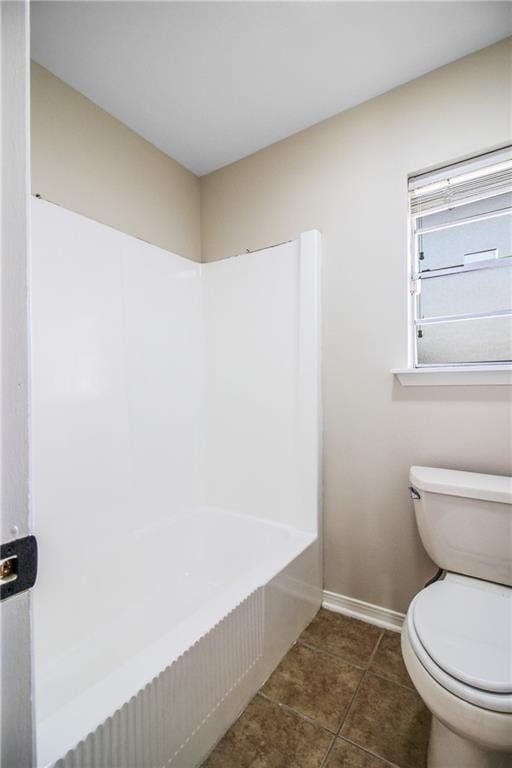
(358, 609)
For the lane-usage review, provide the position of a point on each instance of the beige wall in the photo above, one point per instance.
(347, 177)
(86, 160)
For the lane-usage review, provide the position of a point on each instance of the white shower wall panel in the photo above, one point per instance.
(261, 388)
(116, 337)
(164, 374)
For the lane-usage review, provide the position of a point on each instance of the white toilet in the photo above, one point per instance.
(457, 636)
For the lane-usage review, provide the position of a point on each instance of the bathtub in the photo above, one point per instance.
(175, 460)
(218, 607)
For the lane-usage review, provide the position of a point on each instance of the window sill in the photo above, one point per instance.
(477, 375)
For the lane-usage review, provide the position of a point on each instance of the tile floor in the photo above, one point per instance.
(341, 698)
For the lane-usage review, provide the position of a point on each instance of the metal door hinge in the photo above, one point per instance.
(18, 566)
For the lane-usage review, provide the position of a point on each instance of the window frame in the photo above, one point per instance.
(415, 322)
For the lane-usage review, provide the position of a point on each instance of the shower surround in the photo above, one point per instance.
(175, 486)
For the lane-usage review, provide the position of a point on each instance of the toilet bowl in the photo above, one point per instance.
(457, 636)
(449, 631)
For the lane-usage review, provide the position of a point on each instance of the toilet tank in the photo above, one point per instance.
(465, 521)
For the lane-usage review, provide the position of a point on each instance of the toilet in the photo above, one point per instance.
(457, 634)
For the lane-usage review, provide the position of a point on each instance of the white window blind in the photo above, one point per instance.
(462, 183)
(461, 256)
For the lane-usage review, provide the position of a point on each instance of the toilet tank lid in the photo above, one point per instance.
(470, 485)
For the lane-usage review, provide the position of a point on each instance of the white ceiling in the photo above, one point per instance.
(211, 82)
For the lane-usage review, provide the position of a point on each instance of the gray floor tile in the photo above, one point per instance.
(315, 684)
(350, 639)
(269, 736)
(388, 661)
(389, 720)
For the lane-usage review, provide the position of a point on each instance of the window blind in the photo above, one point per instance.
(461, 183)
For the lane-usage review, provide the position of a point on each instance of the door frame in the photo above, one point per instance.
(16, 703)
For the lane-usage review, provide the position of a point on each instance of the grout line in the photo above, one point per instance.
(302, 716)
(349, 708)
(389, 680)
(331, 654)
(368, 671)
(374, 652)
(368, 751)
(381, 675)
(330, 749)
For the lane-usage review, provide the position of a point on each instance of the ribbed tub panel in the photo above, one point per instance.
(153, 728)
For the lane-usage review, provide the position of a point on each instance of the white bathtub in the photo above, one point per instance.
(165, 393)
(182, 582)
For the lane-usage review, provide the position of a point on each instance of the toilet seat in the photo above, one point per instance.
(489, 730)
(460, 630)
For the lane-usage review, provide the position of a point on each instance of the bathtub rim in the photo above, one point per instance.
(82, 715)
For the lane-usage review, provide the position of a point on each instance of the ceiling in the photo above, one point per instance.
(211, 82)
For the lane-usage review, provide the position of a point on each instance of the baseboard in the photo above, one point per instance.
(358, 609)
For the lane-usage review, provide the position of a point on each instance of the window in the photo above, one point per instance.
(461, 257)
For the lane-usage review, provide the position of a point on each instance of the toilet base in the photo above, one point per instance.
(448, 750)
